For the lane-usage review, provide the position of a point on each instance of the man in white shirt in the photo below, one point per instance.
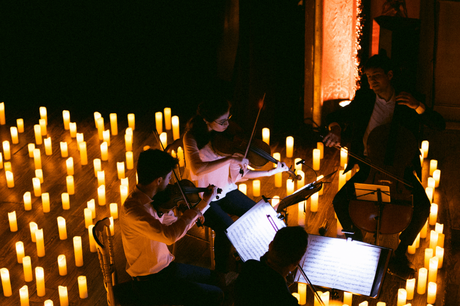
(147, 232)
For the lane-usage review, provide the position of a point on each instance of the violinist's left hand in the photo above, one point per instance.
(405, 98)
(280, 167)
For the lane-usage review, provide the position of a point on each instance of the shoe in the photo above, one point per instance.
(401, 266)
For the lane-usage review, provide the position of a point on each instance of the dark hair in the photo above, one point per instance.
(153, 164)
(379, 61)
(289, 245)
(209, 110)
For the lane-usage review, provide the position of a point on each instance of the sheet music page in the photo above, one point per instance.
(340, 264)
(252, 233)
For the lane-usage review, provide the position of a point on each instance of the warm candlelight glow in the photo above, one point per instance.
(38, 134)
(70, 185)
(43, 128)
(440, 256)
(424, 230)
(83, 153)
(62, 228)
(37, 186)
(82, 288)
(40, 281)
(343, 157)
(112, 226)
(275, 200)
(316, 159)
(20, 251)
(114, 210)
(31, 148)
(91, 204)
(37, 159)
(64, 149)
(301, 182)
(433, 239)
(402, 296)
(180, 156)
(342, 179)
(121, 170)
(69, 166)
(62, 265)
(436, 177)
(422, 278)
(429, 193)
(347, 298)
(27, 269)
(48, 303)
(129, 160)
(431, 296)
(46, 202)
(20, 125)
(439, 228)
(433, 166)
(88, 217)
(433, 270)
(243, 188)
(289, 146)
(164, 139)
(101, 195)
(104, 151)
(6, 283)
(129, 142)
(256, 188)
(410, 287)
(73, 129)
(431, 183)
(266, 135)
(123, 193)
(43, 113)
(302, 289)
(65, 201)
(175, 127)
(289, 186)
(314, 202)
(24, 295)
(63, 296)
(33, 228)
(92, 242)
(48, 146)
(13, 221)
(159, 122)
(78, 252)
(66, 119)
(9, 179)
(100, 127)
(301, 213)
(113, 124)
(106, 137)
(14, 135)
(97, 166)
(441, 240)
(6, 150)
(40, 241)
(2, 113)
(425, 147)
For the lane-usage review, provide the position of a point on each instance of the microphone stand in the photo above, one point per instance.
(313, 289)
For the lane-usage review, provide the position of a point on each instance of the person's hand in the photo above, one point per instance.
(405, 98)
(333, 138)
(210, 193)
(280, 167)
(240, 161)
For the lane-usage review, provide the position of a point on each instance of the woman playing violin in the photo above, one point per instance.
(206, 167)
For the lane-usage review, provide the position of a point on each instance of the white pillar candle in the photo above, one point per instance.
(33, 228)
(101, 195)
(422, 278)
(266, 135)
(412, 248)
(31, 148)
(289, 186)
(2, 113)
(289, 146)
(129, 160)
(7, 166)
(167, 116)
(431, 183)
(88, 217)
(433, 239)
(63, 296)
(424, 230)
(436, 177)
(106, 137)
(164, 140)
(73, 129)
(40, 241)
(275, 200)
(431, 296)
(43, 113)
(14, 135)
(9, 179)
(121, 170)
(316, 159)
(40, 281)
(123, 193)
(66, 119)
(39, 175)
(410, 287)
(347, 298)
(104, 151)
(243, 188)
(114, 210)
(6, 150)
(440, 256)
(343, 157)
(37, 159)
(1, 160)
(27, 269)
(97, 166)
(70, 185)
(19, 251)
(402, 296)
(256, 188)
(78, 252)
(112, 226)
(429, 193)
(159, 122)
(342, 179)
(301, 213)
(314, 202)
(128, 142)
(6, 283)
(125, 182)
(425, 147)
(62, 228)
(49, 303)
(13, 221)
(433, 270)
(175, 127)
(91, 204)
(69, 166)
(433, 166)
(113, 124)
(83, 153)
(301, 182)
(92, 242)
(48, 146)
(24, 295)
(97, 115)
(43, 128)
(297, 296)
(46, 202)
(62, 265)
(65, 201)
(100, 127)
(38, 134)
(20, 125)
(37, 186)
(365, 303)
(27, 201)
(82, 287)
(439, 228)
(302, 290)
(132, 121)
(180, 156)
(428, 256)
(64, 149)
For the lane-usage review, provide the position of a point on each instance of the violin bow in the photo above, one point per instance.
(261, 105)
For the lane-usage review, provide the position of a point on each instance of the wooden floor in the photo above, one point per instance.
(193, 248)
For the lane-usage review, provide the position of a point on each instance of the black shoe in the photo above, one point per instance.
(401, 266)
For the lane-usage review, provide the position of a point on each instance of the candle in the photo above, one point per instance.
(347, 298)
(301, 213)
(125, 182)
(62, 264)
(343, 157)
(97, 115)
(88, 217)
(302, 289)
(316, 158)
(412, 248)
(410, 287)
(37, 159)
(101, 195)
(106, 136)
(243, 188)
(301, 182)
(266, 135)
(433, 166)
(31, 148)
(1, 160)
(402, 296)
(14, 135)
(82, 288)
(439, 228)
(69, 165)
(92, 242)
(314, 202)
(433, 270)
(289, 186)
(38, 134)
(123, 193)
(256, 188)
(43, 115)
(424, 230)
(43, 129)
(180, 155)
(289, 146)
(2, 113)
(441, 240)
(100, 127)
(13, 221)
(27, 268)
(91, 204)
(33, 228)
(66, 119)
(164, 140)
(113, 124)
(297, 296)
(6, 150)
(20, 124)
(20, 251)
(175, 127)
(342, 179)
(48, 146)
(39, 174)
(111, 226)
(62, 228)
(365, 303)
(46, 202)
(433, 239)
(24, 295)
(128, 142)
(63, 296)
(73, 129)
(48, 303)
(422, 277)
(436, 177)
(104, 151)
(9, 179)
(97, 166)
(70, 184)
(431, 296)
(440, 256)
(425, 146)
(64, 149)
(100, 178)
(40, 281)
(129, 160)
(431, 182)
(275, 200)
(121, 170)
(159, 122)
(83, 153)
(429, 193)
(6, 283)
(40, 241)
(27, 201)
(65, 201)
(114, 210)
(37, 186)
(78, 252)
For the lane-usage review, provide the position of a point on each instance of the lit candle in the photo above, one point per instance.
(433, 239)
(325, 297)
(425, 146)
(40, 241)
(289, 186)
(343, 157)
(431, 182)
(175, 127)
(243, 188)
(1, 160)
(302, 289)
(164, 139)
(24, 295)
(38, 134)
(301, 213)
(66, 119)
(256, 188)
(9, 179)
(40, 281)
(97, 166)
(92, 242)
(314, 202)
(37, 159)
(20, 125)
(439, 228)
(114, 210)
(297, 296)
(14, 135)
(101, 195)
(441, 240)
(48, 146)
(347, 298)
(123, 193)
(104, 151)
(301, 182)
(43, 128)
(433, 166)
(100, 127)
(33, 228)
(83, 153)
(6, 283)
(112, 226)
(431, 296)
(62, 228)
(39, 174)
(180, 156)
(365, 303)
(402, 296)
(69, 165)
(27, 201)
(27, 269)
(65, 201)
(342, 179)
(316, 301)
(64, 149)
(320, 192)
(88, 217)
(106, 136)
(46, 202)
(73, 129)
(125, 182)
(37, 186)
(97, 115)
(410, 287)
(159, 122)
(433, 270)
(2, 113)
(429, 193)
(113, 124)
(422, 277)
(13, 221)
(424, 230)
(20, 251)
(48, 303)
(129, 142)
(440, 256)
(8, 167)
(82, 288)
(129, 160)
(275, 200)
(412, 248)
(70, 184)
(436, 177)
(266, 135)
(6, 150)
(78, 252)
(289, 146)
(91, 204)
(43, 113)
(62, 264)
(63, 296)
(316, 158)
(121, 170)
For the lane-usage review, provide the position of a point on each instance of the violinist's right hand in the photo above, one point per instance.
(333, 138)
(240, 161)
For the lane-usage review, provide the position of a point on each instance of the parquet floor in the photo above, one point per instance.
(189, 249)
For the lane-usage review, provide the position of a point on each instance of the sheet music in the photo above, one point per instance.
(340, 264)
(252, 233)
